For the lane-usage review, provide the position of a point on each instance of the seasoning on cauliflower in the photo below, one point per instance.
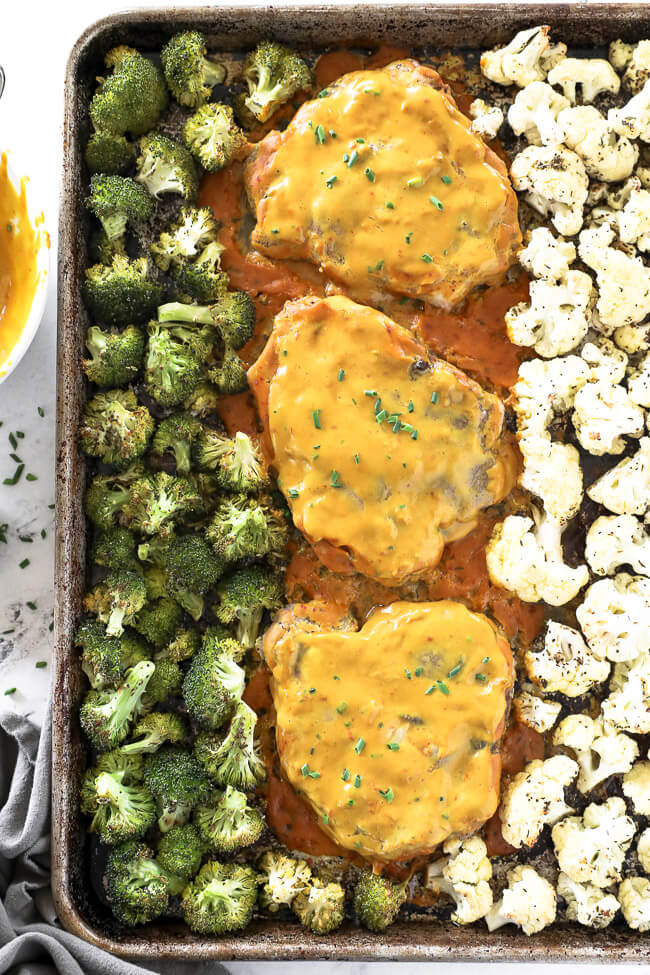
(625, 489)
(633, 338)
(561, 662)
(528, 57)
(605, 361)
(634, 895)
(544, 389)
(587, 904)
(464, 874)
(643, 849)
(600, 751)
(594, 75)
(528, 901)
(555, 183)
(534, 798)
(552, 472)
(623, 281)
(628, 704)
(633, 219)
(636, 787)
(535, 712)
(591, 848)
(619, 54)
(603, 414)
(615, 617)
(534, 113)
(638, 382)
(614, 540)
(525, 557)
(633, 119)
(487, 119)
(635, 60)
(606, 155)
(546, 256)
(557, 318)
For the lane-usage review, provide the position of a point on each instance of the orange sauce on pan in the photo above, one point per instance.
(18, 254)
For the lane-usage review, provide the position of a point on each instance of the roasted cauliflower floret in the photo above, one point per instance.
(634, 895)
(615, 615)
(636, 64)
(620, 54)
(628, 704)
(643, 849)
(546, 256)
(487, 119)
(625, 489)
(636, 786)
(606, 155)
(544, 389)
(591, 848)
(564, 663)
(638, 382)
(534, 113)
(535, 712)
(535, 798)
(554, 182)
(525, 557)
(552, 472)
(593, 75)
(587, 904)
(633, 119)
(557, 318)
(603, 414)
(528, 901)
(614, 540)
(528, 57)
(464, 874)
(623, 281)
(607, 363)
(600, 751)
(632, 338)
(633, 219)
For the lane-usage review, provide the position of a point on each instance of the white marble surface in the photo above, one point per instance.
(35, 38)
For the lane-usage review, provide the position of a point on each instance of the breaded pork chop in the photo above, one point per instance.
(391, 732)
(382, 452)
(381, 183)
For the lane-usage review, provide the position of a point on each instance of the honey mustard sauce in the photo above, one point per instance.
(18, 263)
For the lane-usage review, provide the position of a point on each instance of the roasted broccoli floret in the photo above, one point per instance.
(192, 569)
(233, 314)
(180, 851)
(115, 427)
(273, 74)
(282, 879)
(101, 250)
(118, 202)
(157, 500)
(115, 549)
(191, 75)
(184, 645)
(175, 436)
(227, 823)
(185, 239)
(101, 654)
(115, 357)
(241, 468)
(116, 600)
(166, 681)
(203, 401)
(178, 783)
(136, 885)
(220, 899)
(377, 900)
(121, 806)
(243, 597)
(246, 527)
(172, 368)
(132, 98)
(159, 620)
(105, 716)
(214, 683)
(153, 730)
(121, 292)
(107, 494)
(213, 136)
(229, 376)
(202, 278)
(133, 649)
(320, 906)
(110, 154)
(165, 166)
(234, 759)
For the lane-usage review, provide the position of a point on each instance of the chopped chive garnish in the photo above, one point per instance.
(324, 93)
(41, 411)
(410, 406)
(347, 775)
(369, 173)
(326, 818)
(408, 673)
(331, 181)
(342, 707)
(43, 533)
(314, 775)
(370, 392)
(356, 458)
(31, 477)
(480, 677)
(455, 670)
(434, 397)
(312, 690)
(427, 258)
(320, 134)
(418, 671)
(414, 181)
(387, 794)
(359, 746)
(51, 507)
(15, 476)
(305, 770)
(31, 604)
(334, 479)
(377, 405)
(393, 746)
(315, 415)
(25, 538)
(430, 689)
(40, 664)
(10, 690)
(381, 416)
(51, 627)
(23, 564)
(357, 782)
(438, 204)
(485, 660)
(294, 493)
(390, 205)
(6, 632)
(443, 687)
(446, 180)
(350, 802)
(341, 375)
(13, 441)
(332, 133)
(20, 434)
(362, 141)
(345, 157)
(354, 155)
(16, 459)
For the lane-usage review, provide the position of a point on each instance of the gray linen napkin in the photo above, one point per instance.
(32, 942)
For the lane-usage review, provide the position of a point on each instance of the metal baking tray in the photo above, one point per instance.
(468, 26)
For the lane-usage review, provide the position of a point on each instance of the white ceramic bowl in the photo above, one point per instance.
(37, 219)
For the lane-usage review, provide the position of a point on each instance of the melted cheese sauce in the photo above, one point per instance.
(382, 184)
(397, 761)
(18, 259)
(379, 452)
